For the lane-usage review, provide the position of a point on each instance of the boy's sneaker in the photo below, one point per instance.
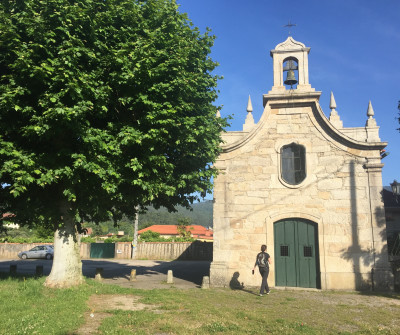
(268, 292)
(261, 295)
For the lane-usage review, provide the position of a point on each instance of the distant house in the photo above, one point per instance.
(88, 231)
(6, 216)
(197, 231)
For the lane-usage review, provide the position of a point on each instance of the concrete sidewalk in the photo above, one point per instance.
(150, 274)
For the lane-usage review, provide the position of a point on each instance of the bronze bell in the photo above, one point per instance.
(290, 78)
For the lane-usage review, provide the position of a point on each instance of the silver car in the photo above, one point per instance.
(40, 251)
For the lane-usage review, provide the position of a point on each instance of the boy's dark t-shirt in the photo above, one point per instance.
(262, 260)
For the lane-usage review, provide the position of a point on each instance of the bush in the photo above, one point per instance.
(125, 238)
(32, 239)
(151, 236)
(88, 240)
(115, 239)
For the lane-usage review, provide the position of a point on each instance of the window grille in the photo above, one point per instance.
(307, 251)
(284, 250)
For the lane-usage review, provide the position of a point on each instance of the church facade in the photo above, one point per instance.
(305, 186)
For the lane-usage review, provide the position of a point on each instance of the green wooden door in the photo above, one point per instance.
(296, 253)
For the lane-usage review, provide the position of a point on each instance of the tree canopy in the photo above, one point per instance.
(104, 106)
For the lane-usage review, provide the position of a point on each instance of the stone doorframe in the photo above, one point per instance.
(274, 217)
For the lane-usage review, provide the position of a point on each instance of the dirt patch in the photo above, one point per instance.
(100, 304)
(353, 299)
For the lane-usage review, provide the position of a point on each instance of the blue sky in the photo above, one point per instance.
(355, 50)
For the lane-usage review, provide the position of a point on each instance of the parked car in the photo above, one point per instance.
(40, 251)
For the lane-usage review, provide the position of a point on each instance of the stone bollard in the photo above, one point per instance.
(39, 270)
(13, 269)
(170, 277)
(133, 275)
(206, 283)
(99, 274)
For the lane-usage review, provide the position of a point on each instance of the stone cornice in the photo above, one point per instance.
(303, 99)
(373, 165)
(289, 96)
(311, 99)
(290, 45)
(286, 51)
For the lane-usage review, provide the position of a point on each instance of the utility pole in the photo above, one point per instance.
(135, 230)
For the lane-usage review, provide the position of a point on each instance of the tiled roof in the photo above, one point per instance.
(7, 215)
(195, 230)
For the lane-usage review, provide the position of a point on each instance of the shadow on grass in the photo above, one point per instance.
(18, 277)
(391, 295)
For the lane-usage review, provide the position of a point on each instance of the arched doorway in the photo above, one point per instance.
(296, 253)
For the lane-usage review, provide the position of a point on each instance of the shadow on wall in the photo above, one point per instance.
(363, 255)
(235, 284)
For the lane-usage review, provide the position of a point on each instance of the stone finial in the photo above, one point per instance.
(332, 104)
(249, 122)
(370, 110)
(249, 106)
(371, 126)
(218, 114)
(334, 116)
(371, 122)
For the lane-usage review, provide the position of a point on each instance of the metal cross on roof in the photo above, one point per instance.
(290, 25)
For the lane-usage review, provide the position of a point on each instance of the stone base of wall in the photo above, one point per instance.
(383, 279)
(347, 281)
(378, 279)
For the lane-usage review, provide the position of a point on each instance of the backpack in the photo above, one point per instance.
(262, 260)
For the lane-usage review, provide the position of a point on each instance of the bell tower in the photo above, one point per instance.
(290, 58)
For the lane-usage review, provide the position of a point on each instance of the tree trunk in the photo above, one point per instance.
(67, 265)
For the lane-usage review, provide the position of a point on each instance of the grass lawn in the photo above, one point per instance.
(27, 307)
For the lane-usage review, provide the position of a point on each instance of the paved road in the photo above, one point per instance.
(149, 274)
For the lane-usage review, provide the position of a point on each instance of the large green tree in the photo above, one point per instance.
(105, 106)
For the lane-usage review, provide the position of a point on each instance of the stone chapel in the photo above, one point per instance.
(305, 186)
